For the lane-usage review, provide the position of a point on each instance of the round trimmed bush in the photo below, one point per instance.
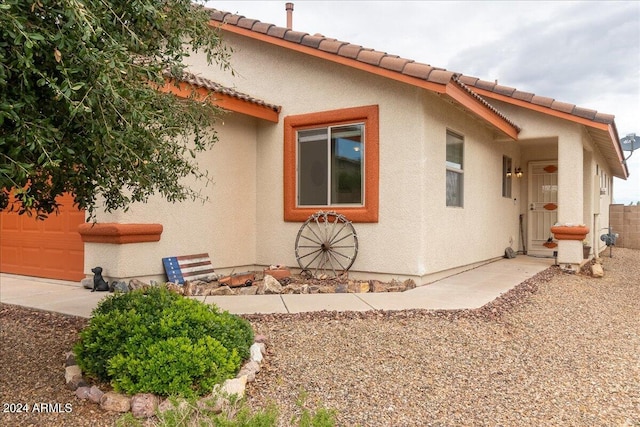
(155, 341)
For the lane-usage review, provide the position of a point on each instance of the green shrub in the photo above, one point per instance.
(159, 342)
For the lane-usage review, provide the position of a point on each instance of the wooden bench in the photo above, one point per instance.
(188, 267)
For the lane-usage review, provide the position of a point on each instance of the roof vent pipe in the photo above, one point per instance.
(289, 9)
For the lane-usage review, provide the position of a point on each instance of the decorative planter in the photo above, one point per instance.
(563, 232)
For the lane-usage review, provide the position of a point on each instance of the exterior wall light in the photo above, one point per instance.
(518, 172)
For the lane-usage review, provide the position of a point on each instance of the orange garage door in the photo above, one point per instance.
(51, 248)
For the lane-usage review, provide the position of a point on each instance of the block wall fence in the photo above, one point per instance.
(625, 220)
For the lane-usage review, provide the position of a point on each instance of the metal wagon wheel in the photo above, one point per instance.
(326, 244)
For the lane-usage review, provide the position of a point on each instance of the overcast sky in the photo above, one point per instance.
(584, 53)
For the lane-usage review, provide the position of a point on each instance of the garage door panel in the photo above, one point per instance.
(51, 248)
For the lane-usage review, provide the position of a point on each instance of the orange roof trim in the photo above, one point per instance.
(226, 98)
(469, 92)
(434, 79)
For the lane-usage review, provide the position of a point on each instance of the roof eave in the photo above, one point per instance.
(446, 86)
(224, 101)
(617, 164)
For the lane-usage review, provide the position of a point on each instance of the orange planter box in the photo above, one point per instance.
(563, 232)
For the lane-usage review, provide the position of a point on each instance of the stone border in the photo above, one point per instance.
(145, 405)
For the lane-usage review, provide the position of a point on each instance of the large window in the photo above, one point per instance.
(330, 165)
(455, 170)
(331, 162)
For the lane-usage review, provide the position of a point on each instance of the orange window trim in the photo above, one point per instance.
(113, 232)
(370, 116)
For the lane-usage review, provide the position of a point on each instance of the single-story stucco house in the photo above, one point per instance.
(437, 171)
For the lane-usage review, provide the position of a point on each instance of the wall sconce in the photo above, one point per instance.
(518, 172)
(509, 173)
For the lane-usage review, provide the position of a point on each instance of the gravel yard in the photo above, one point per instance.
(559, 350)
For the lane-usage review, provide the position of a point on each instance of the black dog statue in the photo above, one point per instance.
(99, 284)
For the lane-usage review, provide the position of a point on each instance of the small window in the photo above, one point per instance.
(455, 170)
(507, 172)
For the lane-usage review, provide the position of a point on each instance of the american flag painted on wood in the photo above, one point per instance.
(187, 267)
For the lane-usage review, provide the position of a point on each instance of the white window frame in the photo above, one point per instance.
(330, 202)
(453, 167)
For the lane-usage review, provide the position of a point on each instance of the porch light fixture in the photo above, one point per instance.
(518, 172)
(509, 173)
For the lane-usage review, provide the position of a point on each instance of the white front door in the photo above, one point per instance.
(543, 207)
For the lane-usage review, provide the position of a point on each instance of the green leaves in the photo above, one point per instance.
(78, 111)
(159, 342)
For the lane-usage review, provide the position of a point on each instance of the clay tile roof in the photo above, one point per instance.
(294, 36)
(312, 41)
(542, 100)
(394, 63)
(416, 69)
(261, 27)
(562, 106)
(504, 90)
(604, 118)
(585, 113)
(457, 79)
(404, 66)
(350, 50)
(468, 80)
(524, 96)
(246, 23)
(218, 88)
(278, 32)
(371, 56)
(232, 19)
(331, 45)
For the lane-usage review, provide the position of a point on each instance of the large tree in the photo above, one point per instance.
(79, 107)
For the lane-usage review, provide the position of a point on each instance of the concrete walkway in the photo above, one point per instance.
(470, 289)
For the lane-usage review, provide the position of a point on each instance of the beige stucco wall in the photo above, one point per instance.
(416, 236)
(224, 226)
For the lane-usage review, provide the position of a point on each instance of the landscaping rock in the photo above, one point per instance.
(597, 271)
(358, 287)
(83, 392)
(212, 403)
(234, 386)
(70, 372)
(87, 283)
(69, 359)
(95, 394)
(115, 402)
(341, 289)
(250, 369)
(222, 290)
(277, 272)
(143, 405)
(409, 284)
(256, 352)
(271, 285)
(261, 339)
(179, 405)
(120, 287)
(137, 284)
(249, 290)
(75, 382)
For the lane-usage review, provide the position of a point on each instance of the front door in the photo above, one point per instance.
(543, 207)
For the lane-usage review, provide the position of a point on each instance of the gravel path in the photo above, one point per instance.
(558, 350)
